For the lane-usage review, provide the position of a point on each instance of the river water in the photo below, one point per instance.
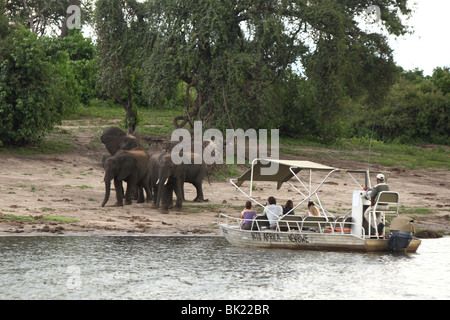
(127, 267)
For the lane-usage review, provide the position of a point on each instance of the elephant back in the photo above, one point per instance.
(116, 139)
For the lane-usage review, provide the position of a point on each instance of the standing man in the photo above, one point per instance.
(380, 186)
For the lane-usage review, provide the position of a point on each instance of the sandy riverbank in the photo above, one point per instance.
(70, 185)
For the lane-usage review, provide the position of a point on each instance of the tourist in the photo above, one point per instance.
(380, 186)
(288, 207)
(272, 211)
(247, 216)
(312, 209)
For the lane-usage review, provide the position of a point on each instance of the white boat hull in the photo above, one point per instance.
(306, 241)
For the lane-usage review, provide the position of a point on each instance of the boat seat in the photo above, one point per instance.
(260, 222)
(320, 222)
(291, 222)
(343, 224)
(387, 203)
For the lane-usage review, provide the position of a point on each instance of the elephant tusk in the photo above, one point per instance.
(157, 181)
(167, 180)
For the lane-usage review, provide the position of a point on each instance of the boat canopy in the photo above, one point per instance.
(286, 170)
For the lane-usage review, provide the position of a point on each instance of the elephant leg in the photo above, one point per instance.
(148, 192)
(146, 185)
(119, 193)
(131, 184)
(167, 196)
(140, 198)
(198, 187)
(135, 194)
(178, 187)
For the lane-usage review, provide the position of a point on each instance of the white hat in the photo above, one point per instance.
(380, 176)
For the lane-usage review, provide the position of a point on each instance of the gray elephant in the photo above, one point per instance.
(171, 179)
(153, 165)
(116, 139)
(130, 166)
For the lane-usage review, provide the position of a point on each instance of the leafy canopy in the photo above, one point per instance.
(234, 57)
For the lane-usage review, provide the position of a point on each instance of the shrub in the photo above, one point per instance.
(37, 87)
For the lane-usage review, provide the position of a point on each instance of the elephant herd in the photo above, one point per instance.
(156, 174)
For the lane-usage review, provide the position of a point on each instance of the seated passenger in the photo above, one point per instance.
(312, 209)
(288, 207)
(247, 214)
(272, 211)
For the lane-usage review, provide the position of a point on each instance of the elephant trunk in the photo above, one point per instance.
(160, 184)
(107, 191)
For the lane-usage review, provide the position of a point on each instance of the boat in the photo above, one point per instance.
(349, 231)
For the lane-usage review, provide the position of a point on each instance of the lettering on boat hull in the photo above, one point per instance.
(266, 236)
(299, 238)
(275, 237)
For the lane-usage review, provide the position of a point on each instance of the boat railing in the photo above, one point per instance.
(297, 224)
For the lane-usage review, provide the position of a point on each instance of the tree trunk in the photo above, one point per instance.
(64, 28)
(131, 115)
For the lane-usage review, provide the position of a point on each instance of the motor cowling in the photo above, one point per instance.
(402, 232)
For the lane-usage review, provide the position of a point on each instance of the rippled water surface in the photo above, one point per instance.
(106, 267)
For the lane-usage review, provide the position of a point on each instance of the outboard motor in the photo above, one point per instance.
(402, 230)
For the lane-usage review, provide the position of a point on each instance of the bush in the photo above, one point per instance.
(37, 87)
(82, 54)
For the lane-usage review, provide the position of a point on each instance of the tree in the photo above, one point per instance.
(230, 53)
(41, 16)
(119, 28)
(345, 60)
(414, 110)
(441, 79)
(235, 56)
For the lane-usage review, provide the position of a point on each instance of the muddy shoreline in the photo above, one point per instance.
(71, 185)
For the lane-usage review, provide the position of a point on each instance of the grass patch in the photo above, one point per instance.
(224, 171)
(410, 211)
(385, 154)
(56, 142)
(151, 121)
(59, 219)
(84, 187)
(12, 217)
(159, 122)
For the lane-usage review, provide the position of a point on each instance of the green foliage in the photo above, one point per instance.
(45, 17)
(237, 58)
(37, 86)
(416, 109)
(234, 75)
(119, 29)
(305, 67)
(82, 59)
(441, 79)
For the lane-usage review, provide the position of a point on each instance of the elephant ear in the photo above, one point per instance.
(111, 139)
(128, 165)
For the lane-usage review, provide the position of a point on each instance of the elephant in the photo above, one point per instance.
(171, 179)
(130, 166)
(153, 165)
(116, 139)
